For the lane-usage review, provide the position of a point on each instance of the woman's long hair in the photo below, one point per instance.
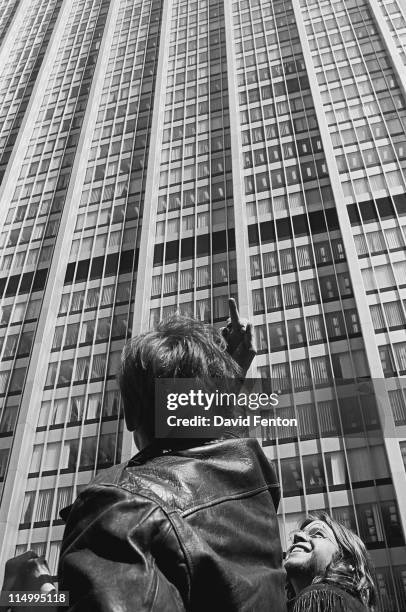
(351, 568)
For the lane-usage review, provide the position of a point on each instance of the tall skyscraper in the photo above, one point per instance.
(163, 155)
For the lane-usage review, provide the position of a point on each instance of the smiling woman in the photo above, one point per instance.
(328, 569)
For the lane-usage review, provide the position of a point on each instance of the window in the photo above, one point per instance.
(82, 369)
(394, 314)
(77, 301)
(87, 331)
(370, 524)
(310, 291)
(305, 257)
(328, 287)
(59, 411)
(93, 406)
(8, 418)
(367, 464)
(315, 329)
(273, 298)
(296, 332)
(291, 477)
(106, 450)
(111, 403)
(76, 409)
(103, 329)
(277, 336)
(92, 299)
(281, 377)
(387, 361)
(345, 515)
(65, 372)
(335, 325)
(270, 263)
(260, 338)
(307, 421)
(336, 469)
(10, 346)
(287, 259)
(4, 452)
(321, 369)
(28, 507)
(255, 266)
(301, 376)
(291, 295)
(314, 476)
(400, 353)
(391, 522)
(88, 453)
(63, 499)
(398, 406)
(51, 460)
(44, 506)
(71, 336)
(98, 367)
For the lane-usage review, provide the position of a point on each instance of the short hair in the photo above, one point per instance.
(351, 568)
(180, 347)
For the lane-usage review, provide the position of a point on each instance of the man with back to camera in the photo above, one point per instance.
(179, 526)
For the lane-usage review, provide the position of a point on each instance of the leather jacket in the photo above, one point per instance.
(192, 529)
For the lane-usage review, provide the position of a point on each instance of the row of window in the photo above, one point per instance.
(378, 524)
(307, 374)
(384, 277)
(301, 258)
(371, 211)
(79, 407)
(330, 418)
(68, 371)
(209, 310)
(85, 454)
(219, 273)
(314, 473)
(295, 295)
(105, 327)
(393, 358)
(294, 333)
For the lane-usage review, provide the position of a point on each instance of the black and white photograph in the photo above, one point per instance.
(203, 305)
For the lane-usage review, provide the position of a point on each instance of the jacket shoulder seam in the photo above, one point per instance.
(230, 497)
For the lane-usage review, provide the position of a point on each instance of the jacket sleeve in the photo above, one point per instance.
(324, 600)
(106, 561)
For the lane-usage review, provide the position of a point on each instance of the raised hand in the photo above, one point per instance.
(239, 337)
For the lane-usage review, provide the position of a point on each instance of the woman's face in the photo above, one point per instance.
(313, 549)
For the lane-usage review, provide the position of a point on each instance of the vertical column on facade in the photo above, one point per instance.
(143, 291)
(241, 236)
(372, 353)
(146, 248)
(24, 435)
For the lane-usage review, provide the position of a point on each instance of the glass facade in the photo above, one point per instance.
(18, 74)
(194, 266)
(395, 17)
(126, 157)
(8, 10)
(79, 427)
